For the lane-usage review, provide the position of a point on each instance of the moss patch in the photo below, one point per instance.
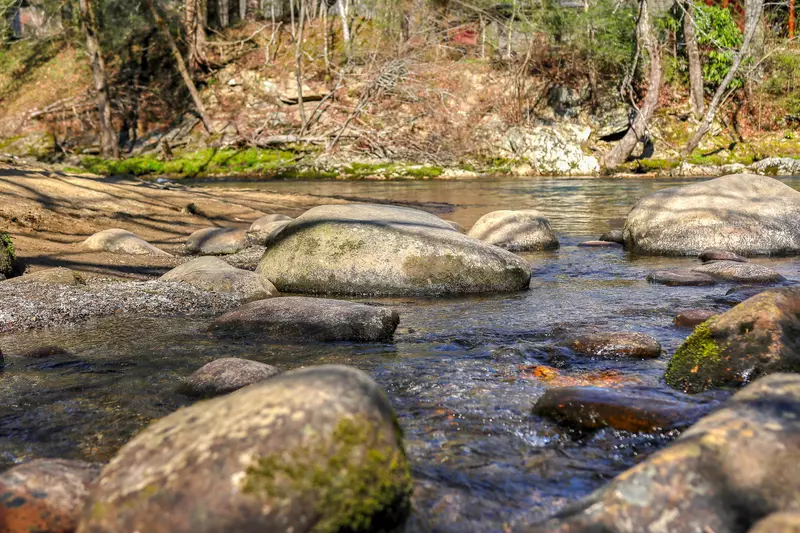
(7, 254)
(357, 480)
(697, 364)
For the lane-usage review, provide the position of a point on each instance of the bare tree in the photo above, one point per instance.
(108, 142)
(298, 65)
(224, 13)
(752, 18)
(344, 14)
(194, 25)
(693, 53)
(155, 11)
(646, 39)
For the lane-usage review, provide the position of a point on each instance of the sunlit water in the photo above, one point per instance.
(456, 372)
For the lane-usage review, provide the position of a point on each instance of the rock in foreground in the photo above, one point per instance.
(214, 274)
(725, 473)
(120, 241)
(45, 495)
(615, 345)
(298, 318)
(385, 250)
(518, 231)
(216, 241)
(741, 213)
(313, 450)
(759, 336)
(224, 376)
(55, 276)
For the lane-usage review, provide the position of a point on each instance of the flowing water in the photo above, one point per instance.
(458, 373)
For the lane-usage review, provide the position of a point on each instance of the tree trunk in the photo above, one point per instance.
(242, 9)
(253, 9)
(344, 13)
(752, 18)
(155, 11)
(224, 8)
(695, 69)
(645, 38)
(298, 66)
(791, 19)
(108, 142)
(194, 25)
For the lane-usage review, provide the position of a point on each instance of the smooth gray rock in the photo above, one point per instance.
(213, 274)
(385, 250)
(316, 449)
(613, 235)
(739, 272)
(265, 232)
(706, 256)
(680, 278)
(260, 223)
(303, 319)
(741, 213)
(216, 241)
(518, 231)
(120, 241)
(53, 276)
(223, 376)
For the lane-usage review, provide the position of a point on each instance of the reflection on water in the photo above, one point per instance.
(455, 373)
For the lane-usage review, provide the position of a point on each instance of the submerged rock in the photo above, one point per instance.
(120, 241)
(385, 250)
(613, 235)
(312, 450)
(614, 345)
(726, 472)
(224, 376)
(518, 231)
(44, 352)
(56, 276)
(216, 241)
(214, 274)
(757, 337)
(600, 244)
(741, 213)
(305, 319)
(707, 256)
(737, 295)
(594, 408)
(693, 317)
(44, 495)
(739, 272)
(680, 278)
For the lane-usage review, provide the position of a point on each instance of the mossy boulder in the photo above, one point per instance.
(313, 450)
(213, 274)
(7, 255)
(759, 336)
(518, 231)
(363, 249)
(741, 213)
(725, 473)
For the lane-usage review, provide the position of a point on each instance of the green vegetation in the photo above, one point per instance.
(356, 480)
(7, 254)
(696, 363)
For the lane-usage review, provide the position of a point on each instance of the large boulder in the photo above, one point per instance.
(385, 250)
(759, 336)
(300, 318)
(518, 231)
(120, 241)
(551, 150)
(216, 241)
(45, 495)
(316, 449)
(742, 213)
(213, 274)
(725, 473)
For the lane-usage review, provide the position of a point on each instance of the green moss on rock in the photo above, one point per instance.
(358, 480)
(697, 364)
(7, 254)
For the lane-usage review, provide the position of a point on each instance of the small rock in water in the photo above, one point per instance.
(46, 351)
(693, 317)
(55, 276)
(680, 278)
(739, 272)
(301, 319)
(600, 244)
(45, 495)
(720, 255)
(216, 241)
(226, 375)
(737, 295)
(316, 449)
(120, 241)
(517, 231)
(614, 235)
(594, 408)
(614, 345)
(785, 522)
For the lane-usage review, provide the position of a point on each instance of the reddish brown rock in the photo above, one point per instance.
(600, 244)
(45, 495)
(680, 278)
(720, 255)
(693, 317)
(615, 345)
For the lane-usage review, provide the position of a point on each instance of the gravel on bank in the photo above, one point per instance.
(36, 305)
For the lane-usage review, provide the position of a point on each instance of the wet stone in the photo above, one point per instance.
(213, 274)
(614, 235)
(43, 352)
(224, 376)
(680, 278)
(600, 244)
(594, 408)
(617, 345)
(693, 317)
(740, 272)
(737, 295)
(720, 255)
(786, 522)
(44, 495)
